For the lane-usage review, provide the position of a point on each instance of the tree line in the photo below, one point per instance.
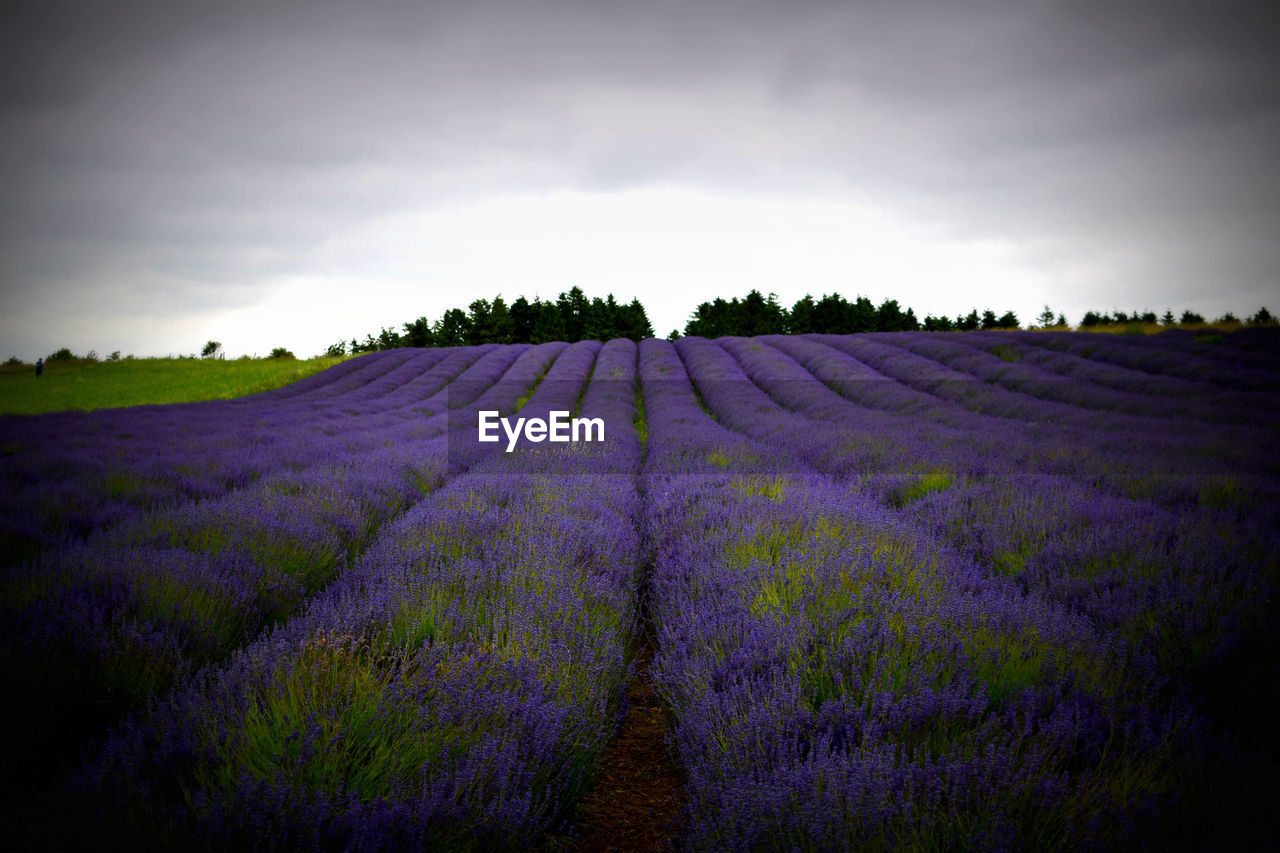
(573, 317)
(756, 314)
(1263, 317)
(570, 317)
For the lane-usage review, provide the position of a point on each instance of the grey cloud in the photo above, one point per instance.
(227, 141)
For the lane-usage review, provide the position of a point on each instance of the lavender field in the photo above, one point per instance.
(985, 590)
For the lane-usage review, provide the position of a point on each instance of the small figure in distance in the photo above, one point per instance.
(39, 367)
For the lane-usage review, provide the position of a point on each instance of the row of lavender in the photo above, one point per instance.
(452, 687)
(94, 626)
(1047, 505)
(69, 474)
(909, 597)
(1011, 659)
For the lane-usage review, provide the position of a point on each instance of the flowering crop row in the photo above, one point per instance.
(1107, 607)
(908, 590)
(133, 607)
(454, 687)
(74, 473)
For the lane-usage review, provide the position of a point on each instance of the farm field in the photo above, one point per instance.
(88, 385)
(904, 591)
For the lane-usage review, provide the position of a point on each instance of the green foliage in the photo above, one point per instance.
(755, 314)
(281, 352)
(1221, 492)
(570, 317)
(63, 354)
(938, 324)
(832, 314)
(916, 487)
(76, 384)
(211, 350)
(1006, 353)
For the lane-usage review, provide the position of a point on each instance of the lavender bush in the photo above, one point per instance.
(971, 591)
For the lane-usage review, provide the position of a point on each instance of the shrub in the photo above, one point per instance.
(281, 352)
(63, 354)
(336, 350)
(1262, 318)
(211, 350)
(115, 356)
(13, 360)
(1189, 317)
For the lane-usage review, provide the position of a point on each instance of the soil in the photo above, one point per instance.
(636, 802)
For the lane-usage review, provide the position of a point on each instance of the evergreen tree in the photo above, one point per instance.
(889, 317)
(597, 320)
(710, 319)
(388, 339)
(573, 310)
(501, 327)
(523, 316)
(832, 315)
(453, 329)
(418, 333)
(479, 323)
(548, 324)
(758, 315)
(800, 318)
(862, 316)
(634, 322)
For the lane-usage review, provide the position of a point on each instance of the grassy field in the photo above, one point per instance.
(80, 384)
(1205, 329)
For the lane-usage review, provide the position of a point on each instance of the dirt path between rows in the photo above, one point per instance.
(635, 805)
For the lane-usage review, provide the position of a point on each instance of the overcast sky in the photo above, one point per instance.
(295, 173)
